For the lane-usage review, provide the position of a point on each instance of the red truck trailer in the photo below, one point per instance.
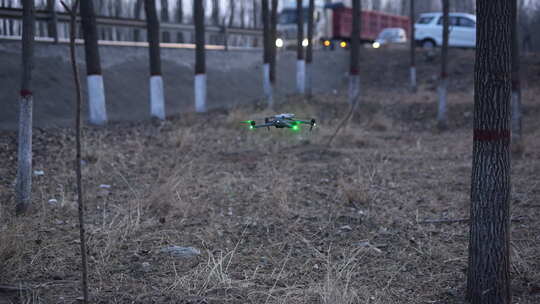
(372, 23)
(333, 24)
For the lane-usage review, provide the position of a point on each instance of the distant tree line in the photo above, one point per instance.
(237, 13)
(246, 14)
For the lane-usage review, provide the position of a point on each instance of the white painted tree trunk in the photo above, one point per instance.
(413, 78)
(24, 173)
(96, 99)
(441, 113)
(200, 92)
(267, 85)
(354, 89)
(157, 100)
(301, 76)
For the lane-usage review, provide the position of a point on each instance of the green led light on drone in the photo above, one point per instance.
(295, 128)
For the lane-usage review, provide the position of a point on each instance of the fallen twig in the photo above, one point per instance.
(345, 120)
(10, 288)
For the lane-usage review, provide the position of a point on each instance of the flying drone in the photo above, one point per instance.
(285, 120)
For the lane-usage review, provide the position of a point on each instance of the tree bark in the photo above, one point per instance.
(52, 25)
(273, 48)
(412, 48)
(242, 14)
(300, 63)
(23, 187)
(517, 140)
(255, 14)
(180, 19)
(443, 80)
(96, 91)
(137, 15)
(267, 87)
(200, 64)
(78, 171)
(232, 7)
(157, 102)
(165, 18)
(309, 48)
(354, 77)
(88, 19)
(215, 12)
(489, 261)
(118, 13)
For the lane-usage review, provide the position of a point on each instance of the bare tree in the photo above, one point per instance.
(200, 64)
(52, 25)
(309, 48)
(137, 15)
(255, 11)
(488, 279)
(272, 43)
(412, 48)
(354, 77)
(96, 90)
(267, 87)
(242, 13)
(377, 5)
(23, 188)
(443, 80)
(157, 101)
(165, 18)
(232, 8)
(517, 141)
(215, 12)
(118, 13)
(80, 202)
(180, 19)
(300, 63)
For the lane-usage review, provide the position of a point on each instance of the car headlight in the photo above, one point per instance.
(279, 42)
(376, 45)
(343, 44)
(305, 42)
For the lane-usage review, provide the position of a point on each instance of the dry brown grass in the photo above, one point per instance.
(278, 216)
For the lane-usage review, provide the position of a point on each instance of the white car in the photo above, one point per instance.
(428, 30)
(390, 35)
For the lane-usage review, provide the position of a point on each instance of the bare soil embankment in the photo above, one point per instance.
(234, 78)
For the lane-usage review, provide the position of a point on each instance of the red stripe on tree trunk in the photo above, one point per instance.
(491, 135)
(26, 93)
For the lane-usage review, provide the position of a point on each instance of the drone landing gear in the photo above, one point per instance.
(312, 124)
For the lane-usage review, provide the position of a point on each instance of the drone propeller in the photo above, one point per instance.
(251, 123)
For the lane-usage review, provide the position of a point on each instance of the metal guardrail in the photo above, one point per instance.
(42, 15)
(167, 45)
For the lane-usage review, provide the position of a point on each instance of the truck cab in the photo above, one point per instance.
(332, 24)
(287, 24)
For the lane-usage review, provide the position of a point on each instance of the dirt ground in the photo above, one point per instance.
(277, 216)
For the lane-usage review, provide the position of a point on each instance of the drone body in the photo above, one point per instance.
(285, 120)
